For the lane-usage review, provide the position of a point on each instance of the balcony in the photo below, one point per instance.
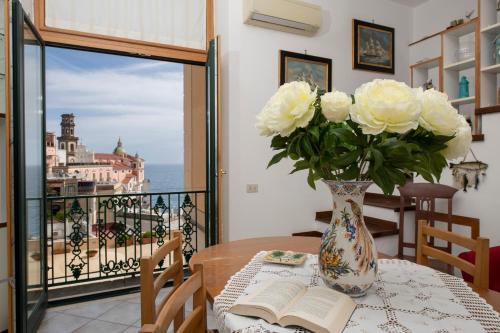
(96, 241)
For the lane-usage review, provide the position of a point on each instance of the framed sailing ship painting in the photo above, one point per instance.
(373, 47)
(316, 71)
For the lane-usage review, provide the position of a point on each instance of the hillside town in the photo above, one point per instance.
(74, 169)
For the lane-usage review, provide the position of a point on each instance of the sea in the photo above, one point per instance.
(164, 178)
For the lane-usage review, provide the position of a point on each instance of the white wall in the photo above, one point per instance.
(284, 203)
(435, 15)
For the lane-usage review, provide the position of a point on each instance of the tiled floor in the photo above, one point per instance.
(110, 315)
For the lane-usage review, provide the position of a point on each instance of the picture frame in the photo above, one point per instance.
(317, 71)
(373, 47)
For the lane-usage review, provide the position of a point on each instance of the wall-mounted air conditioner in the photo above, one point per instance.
(285, 15)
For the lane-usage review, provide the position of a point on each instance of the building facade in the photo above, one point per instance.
(69, 162)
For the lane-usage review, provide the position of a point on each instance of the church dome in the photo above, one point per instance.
(119, 150)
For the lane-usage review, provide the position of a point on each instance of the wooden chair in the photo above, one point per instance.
(196, 321)
(425, 195)
(150, 287)
(479, 270)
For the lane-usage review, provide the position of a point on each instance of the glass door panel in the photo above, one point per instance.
(34, 142)
(29, 172)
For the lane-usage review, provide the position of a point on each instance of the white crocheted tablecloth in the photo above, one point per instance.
(405, 298)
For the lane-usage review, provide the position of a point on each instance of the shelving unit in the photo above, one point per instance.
(492, 29)
(479, 66)
(490, 70)
(461, 65)
(463, 101)
(458, 43)
(425, 70)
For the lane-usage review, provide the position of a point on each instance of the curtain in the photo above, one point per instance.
(172, 22)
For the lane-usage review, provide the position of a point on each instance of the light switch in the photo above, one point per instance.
(252, 188)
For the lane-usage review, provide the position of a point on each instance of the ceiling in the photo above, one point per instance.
(410, 3)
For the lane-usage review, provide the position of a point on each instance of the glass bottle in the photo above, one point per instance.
(464, 88)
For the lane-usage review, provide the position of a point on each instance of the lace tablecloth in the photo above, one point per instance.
(406, 298)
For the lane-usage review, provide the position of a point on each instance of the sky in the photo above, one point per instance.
(112, 96)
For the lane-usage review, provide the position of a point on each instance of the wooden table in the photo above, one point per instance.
(222, 261)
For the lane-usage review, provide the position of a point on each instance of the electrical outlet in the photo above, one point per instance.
(252, 188)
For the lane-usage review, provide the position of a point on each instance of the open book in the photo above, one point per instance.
(288, 302)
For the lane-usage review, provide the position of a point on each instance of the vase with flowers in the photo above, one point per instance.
(382, 134)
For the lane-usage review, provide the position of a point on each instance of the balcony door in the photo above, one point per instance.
(213, 233)
(29, 172)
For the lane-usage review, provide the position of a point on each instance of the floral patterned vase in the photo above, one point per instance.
(347, 257)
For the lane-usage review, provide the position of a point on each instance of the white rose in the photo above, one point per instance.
(336, 106)
(386, 105)
(459, 146)
(438, 115)
(291, 107)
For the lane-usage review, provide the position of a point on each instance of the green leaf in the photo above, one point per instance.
(278, 157)
(314, 131)
(350, 173)
(347, 159)
(300, 165)
(278, 142)
(378, 158)
(382, 179)
(347, 136)
(311, 179)
(306, 146)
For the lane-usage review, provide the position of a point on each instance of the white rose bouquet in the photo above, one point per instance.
(384, 132)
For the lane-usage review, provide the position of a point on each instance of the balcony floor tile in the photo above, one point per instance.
(109, 315)
(98, 326)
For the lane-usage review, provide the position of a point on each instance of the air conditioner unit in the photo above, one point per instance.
(284, 15)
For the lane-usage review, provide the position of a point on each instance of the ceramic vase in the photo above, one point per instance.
(347, 257)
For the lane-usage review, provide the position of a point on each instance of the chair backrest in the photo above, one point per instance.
(471, 222)
(150, 287)
(479, 270)
(196, 321)
(425, 195)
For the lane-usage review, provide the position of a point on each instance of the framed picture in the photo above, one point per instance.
(302, 67)
(373, 47)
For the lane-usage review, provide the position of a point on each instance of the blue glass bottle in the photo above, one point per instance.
(464, 88)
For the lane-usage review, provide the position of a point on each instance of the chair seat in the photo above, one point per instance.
(470, 256)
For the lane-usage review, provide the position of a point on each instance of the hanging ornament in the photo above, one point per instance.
(468, 174)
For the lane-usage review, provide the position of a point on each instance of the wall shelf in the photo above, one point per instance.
(462, 29)
(491, 69)
(492, 29)
(461, 65)
(426, 64)
(477, 137)
(488, 110)
(462, 101)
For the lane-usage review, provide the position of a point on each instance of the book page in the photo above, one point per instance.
(275, 296)
(321, 307)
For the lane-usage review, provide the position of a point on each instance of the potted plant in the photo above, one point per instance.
(148, 237)
(382, 134)
(124, 240)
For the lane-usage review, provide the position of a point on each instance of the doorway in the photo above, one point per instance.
(33, 208)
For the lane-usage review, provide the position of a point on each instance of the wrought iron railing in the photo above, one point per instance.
(93, 237)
